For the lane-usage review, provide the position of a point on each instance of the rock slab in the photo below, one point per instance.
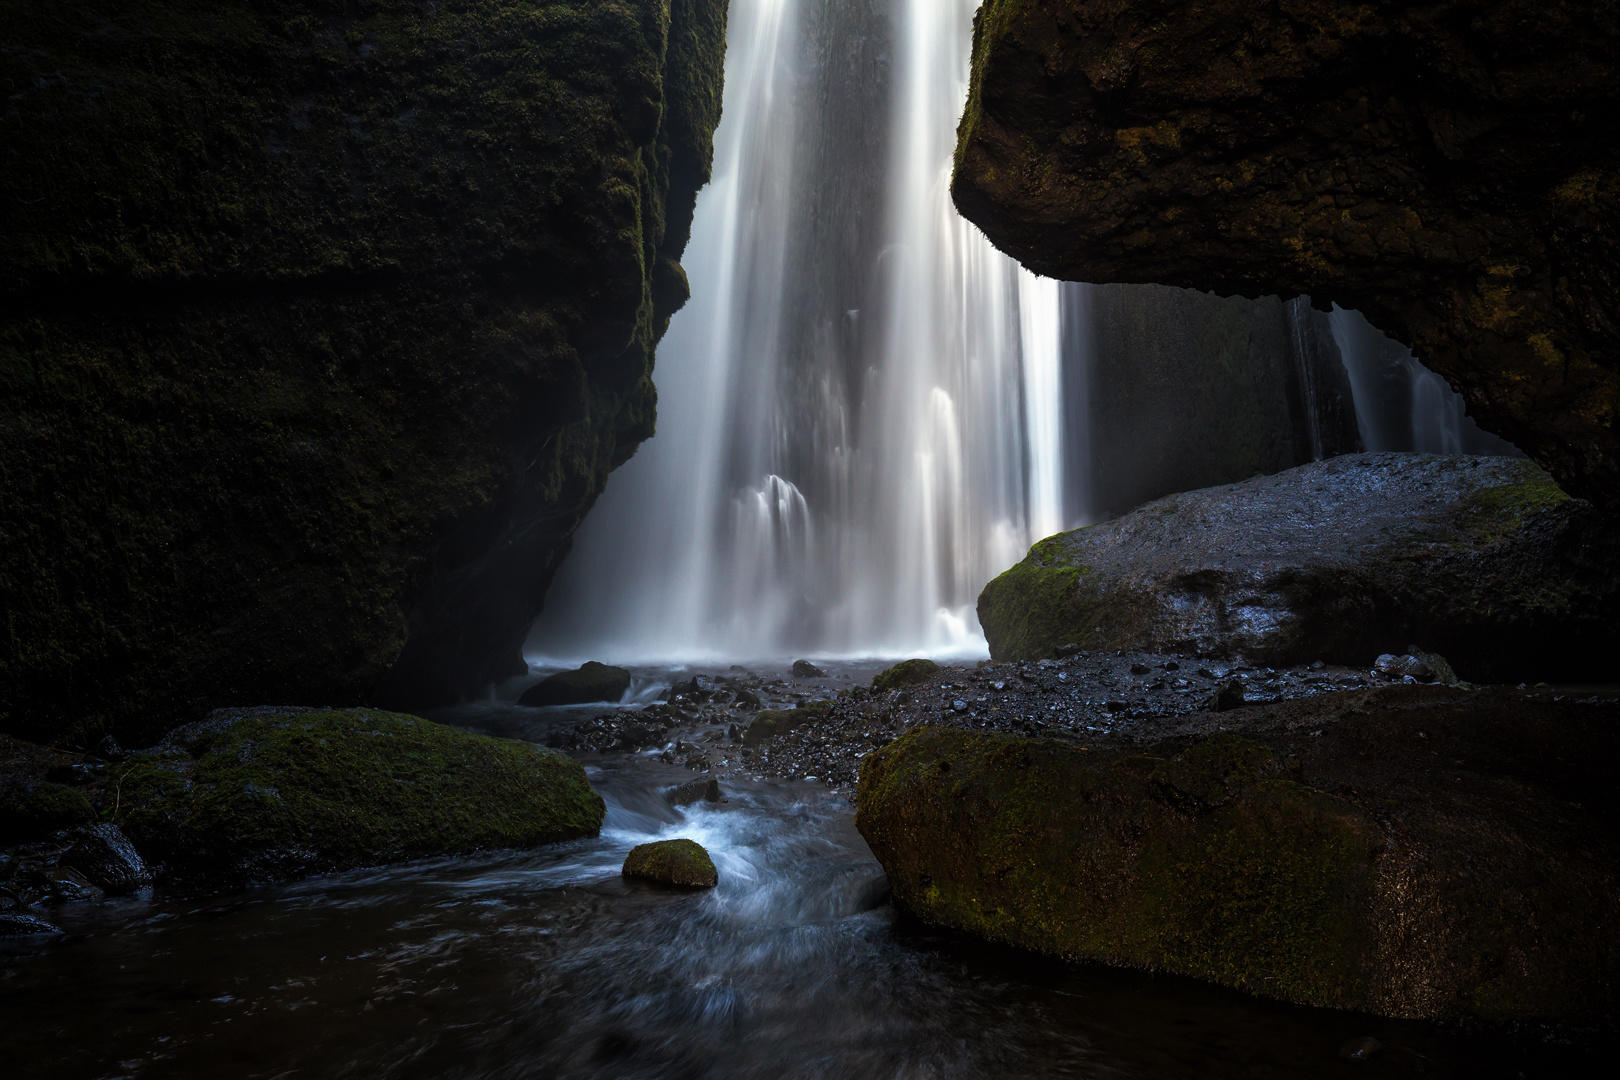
(1480, 559)
(1413, 852)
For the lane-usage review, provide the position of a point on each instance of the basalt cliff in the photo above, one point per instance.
(321, 327)
(1448, 168)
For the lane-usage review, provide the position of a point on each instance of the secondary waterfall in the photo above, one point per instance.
(862, 407)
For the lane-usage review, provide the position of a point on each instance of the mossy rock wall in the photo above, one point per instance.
(274, 793)
(1380, 887)
(1448, 169)
(1480, 559)
(321, 327)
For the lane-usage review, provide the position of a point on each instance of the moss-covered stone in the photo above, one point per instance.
(321, 327)
(34, 810)
(682, 863)
(592, 681)
(769, 723)
(1375, 862)
(905, 673)
(1484, 560)
(1447, 169)
(267, 794)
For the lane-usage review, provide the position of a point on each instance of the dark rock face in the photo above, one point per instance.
(106, 857)
(1481, 559)
(592, 681)
(273, 793)
(320, 330)
(1189, 390)
(1448, 169)
(682, 863)
(1414, 851)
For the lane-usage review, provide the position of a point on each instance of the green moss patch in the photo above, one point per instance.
(682, 863)
(905, 673)
(264, 794)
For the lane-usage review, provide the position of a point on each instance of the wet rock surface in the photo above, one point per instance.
(1412, 851)
(1481, 559)
(591, 681)
(681, 863)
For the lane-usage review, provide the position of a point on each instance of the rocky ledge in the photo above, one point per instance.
(1409, 851)
(1447, 168)
(1481, 559)
(321, 327)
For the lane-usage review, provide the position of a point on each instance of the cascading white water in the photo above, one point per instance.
(1400, 404)
(861, 410)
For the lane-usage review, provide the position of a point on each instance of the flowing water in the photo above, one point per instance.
(549, 964)
(862, 414)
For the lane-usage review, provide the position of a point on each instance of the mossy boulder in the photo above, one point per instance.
(33, 809)
(273, 793)
(905, 673)
(321, 328)
(681, 863)
(592, 681)
(1446, 168)
(1482, 559)
(1355, 855)
(770, 723)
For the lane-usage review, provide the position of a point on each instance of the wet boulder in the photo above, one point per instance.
(592, 681)
(804, 669)
(905, 673)
(1483, 559)
(107, 859)
(267, 794)
(681, 863)
(702, 789)
(771, 723)
(1410, 851)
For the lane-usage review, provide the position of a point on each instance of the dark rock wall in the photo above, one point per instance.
(321, 326)
(1189, 390)
(1449, 169)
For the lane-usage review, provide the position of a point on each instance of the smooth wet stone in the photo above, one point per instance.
(25, 926)
(108, 859)
(592, 681)
(804, 669)
(702, 789)
(681, 863)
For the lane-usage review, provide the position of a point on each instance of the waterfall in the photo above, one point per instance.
(862, 409)
(1400, 404)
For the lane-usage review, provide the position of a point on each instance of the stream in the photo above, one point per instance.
(549, 964)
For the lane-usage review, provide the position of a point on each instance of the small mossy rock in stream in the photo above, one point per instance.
(702, 789)
(681, 863)
(267, 794)
(1483, 559)
(1415, 851)
(905, 673)
(592, 681)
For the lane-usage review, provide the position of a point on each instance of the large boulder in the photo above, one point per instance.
(273, 793)
(1483, 560)
(1448, 168)
(321, 327)
(1414, 851)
